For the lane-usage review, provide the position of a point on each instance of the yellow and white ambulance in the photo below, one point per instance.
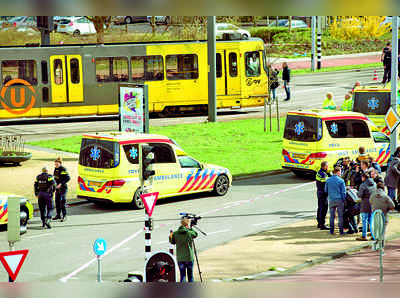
(26, 208)
(312, 136)
(109, 169)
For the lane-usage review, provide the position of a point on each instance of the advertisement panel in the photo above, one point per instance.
(133, 108)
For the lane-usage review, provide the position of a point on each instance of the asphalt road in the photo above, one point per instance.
(65, 252)
(308, 91)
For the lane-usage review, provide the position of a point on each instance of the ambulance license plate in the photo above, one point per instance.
(297, 155)
(95, 183)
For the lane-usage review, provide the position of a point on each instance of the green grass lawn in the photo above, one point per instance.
(336, 68)
(242, 145)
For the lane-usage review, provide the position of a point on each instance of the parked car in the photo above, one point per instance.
(160, 19)
(285, 23)
(231, 29)
(118, 20)
(20, 21)
(76, 26)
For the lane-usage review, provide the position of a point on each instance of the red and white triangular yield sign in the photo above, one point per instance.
(12, 261)
(149, 201)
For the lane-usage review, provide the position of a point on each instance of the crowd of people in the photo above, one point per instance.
(354, 190)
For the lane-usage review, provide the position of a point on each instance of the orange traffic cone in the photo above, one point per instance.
(375, 76)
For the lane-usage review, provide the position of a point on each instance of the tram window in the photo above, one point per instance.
(112, 69)
(74, 69)
(149, 68)
(45, 94)
(233, 71)
(219, 65)
(19, 69)
(182, 67)
(252, 60)
(45, 76)
(58, 72)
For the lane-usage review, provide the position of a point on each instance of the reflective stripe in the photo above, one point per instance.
(319, 178)
(64, 173)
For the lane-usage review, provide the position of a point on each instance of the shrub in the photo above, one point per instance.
(268, 33)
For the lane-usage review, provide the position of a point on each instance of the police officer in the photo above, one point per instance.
(45, 186)
(322, 210)
(62, 177)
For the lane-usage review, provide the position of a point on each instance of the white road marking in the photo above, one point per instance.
(217, 232)
(37, 236)
(263, 223)
(162, 242)
(84, 266)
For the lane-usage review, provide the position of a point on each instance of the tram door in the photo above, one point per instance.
(228, 79)
(66, 78)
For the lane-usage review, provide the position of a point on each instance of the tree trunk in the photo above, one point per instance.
(290, 23)
(254, 19)
(153, 25)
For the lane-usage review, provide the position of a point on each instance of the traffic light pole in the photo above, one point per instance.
(212, 61)
(147, 236)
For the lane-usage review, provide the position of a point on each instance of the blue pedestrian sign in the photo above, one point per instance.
(100, 246)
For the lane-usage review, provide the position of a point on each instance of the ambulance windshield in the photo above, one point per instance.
(371, 103)
(96, 153)
(303, 128)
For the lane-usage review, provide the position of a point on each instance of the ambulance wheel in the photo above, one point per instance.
(137, 201)
(24, 217)
(221, 185)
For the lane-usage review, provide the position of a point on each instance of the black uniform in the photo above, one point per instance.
(44, 188)
(322, 210)
(62, 177)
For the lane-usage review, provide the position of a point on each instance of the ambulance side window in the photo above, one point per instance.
(132, 153)
(360, 129)
(163, 153)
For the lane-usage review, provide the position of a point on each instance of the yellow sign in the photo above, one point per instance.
(392, 119)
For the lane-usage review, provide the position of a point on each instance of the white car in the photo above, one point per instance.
(231, 29)
(76, 26)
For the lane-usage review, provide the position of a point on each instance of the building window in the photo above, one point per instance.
(74, 69)
(252, 63)
(19, 69)
(147, 68)
(112, 69)
(182, 67)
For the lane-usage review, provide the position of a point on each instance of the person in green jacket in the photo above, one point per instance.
(183, 238)
(348, 103)
(328, 103)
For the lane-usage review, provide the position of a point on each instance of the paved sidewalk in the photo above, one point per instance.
(329, 61)
(359, 267)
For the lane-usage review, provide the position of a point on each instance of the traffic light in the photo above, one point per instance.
(17, 218)
(147, 160)
(161, 267)
(45, 23)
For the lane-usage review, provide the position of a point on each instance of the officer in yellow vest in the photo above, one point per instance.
(328, 103)
(348, 103)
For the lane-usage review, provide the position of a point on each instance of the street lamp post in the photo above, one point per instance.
(211, 54)
(395, 51)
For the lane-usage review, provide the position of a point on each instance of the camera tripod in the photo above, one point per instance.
(195, 251)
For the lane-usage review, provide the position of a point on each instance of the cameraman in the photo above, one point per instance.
(183, 238)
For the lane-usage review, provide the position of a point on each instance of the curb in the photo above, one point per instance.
(260, 174)
(307, 264)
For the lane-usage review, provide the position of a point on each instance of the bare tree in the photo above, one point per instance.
(101, 23)
(153, 25)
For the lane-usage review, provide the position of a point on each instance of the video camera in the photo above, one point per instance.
(193, 218)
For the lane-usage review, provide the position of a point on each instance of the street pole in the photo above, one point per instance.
(313, 27)
(319, 34)
(395, 50)
(99, 269)
(211, 54)
(11, 246)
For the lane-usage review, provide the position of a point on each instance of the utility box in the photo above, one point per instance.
(14, 220)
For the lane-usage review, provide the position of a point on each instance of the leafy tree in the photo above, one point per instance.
(101, 23)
